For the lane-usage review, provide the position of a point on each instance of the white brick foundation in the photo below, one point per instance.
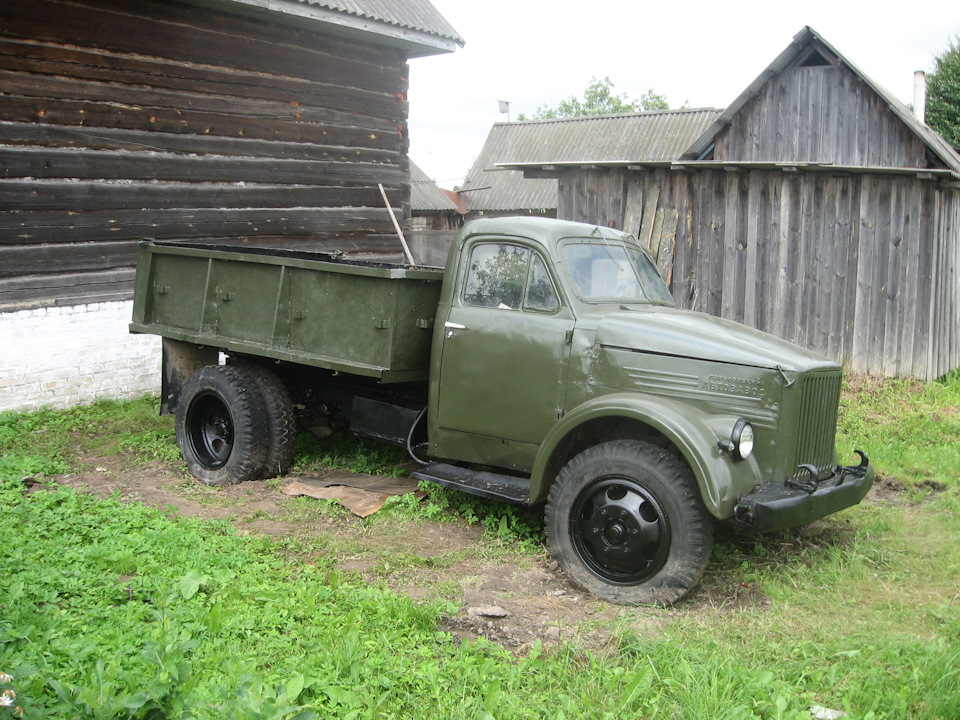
(63, 356)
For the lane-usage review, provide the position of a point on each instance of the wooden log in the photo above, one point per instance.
(76, 68)
(37, 195)
(95, 164)
(178, 31)
(24, 260)
(38, 135)
(66, 289)
(172, 120)
(195, 103)
(54, 227)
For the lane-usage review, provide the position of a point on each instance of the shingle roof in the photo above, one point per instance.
(660, 136)
(414, 25)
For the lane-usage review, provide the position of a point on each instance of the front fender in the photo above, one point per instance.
(693, 433)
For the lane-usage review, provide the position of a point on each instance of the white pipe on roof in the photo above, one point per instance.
(920, 95)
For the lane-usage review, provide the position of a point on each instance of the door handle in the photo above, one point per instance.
(451, 326)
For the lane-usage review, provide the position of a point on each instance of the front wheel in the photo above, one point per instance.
(222, 426)
(626, 522)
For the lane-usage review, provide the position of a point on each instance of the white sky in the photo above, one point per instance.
(695, 52)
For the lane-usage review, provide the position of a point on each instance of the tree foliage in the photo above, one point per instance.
(943, 93)
(599, 99)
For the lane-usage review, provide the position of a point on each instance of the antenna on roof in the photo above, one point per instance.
(505, 108)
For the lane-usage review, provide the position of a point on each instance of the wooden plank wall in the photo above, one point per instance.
(862, 268)
(820, 114)
(125, 119)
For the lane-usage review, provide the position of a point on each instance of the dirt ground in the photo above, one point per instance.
(512, 599)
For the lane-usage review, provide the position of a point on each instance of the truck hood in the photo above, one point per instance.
(686, 334)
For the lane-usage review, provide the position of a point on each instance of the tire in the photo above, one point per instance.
(222, 426)
(281, 420)
(626, 523)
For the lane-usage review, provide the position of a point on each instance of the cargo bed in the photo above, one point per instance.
(316, 309)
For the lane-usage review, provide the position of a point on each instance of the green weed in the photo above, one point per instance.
(349, 453)
(909, 429)
(116, 610)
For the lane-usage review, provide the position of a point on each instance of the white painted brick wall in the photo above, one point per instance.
(63, 356)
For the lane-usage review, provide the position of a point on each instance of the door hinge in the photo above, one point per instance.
(568, 337)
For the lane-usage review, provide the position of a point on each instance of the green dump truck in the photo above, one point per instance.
(547, 364)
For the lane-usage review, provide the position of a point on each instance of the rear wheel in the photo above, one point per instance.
(281, 420)
(626, 522)
(221, 426)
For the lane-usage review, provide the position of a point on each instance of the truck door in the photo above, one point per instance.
(506, 345)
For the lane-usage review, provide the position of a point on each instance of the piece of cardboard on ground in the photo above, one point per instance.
(359, 493)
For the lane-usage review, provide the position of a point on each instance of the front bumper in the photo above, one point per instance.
(776, 505)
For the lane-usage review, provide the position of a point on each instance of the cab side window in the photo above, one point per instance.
(540, 297)
(509, 277)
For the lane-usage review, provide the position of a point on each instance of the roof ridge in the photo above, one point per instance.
(608, 116)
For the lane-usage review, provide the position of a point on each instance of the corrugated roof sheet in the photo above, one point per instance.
(660, 136)
(425, 195)
(415, 26)
(419, 15)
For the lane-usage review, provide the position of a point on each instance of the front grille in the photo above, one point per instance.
(816, 437)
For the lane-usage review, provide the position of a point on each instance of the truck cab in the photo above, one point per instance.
(556, 341)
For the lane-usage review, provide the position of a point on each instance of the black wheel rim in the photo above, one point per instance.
(211, 431)
(620, 531)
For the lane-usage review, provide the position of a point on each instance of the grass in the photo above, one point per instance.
(909, 429)
(115, 610)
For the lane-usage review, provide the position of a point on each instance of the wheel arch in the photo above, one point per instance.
(676, 427)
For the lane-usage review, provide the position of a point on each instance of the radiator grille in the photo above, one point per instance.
(816, 437)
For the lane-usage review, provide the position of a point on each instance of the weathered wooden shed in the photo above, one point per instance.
(267, 123)
(816, 207)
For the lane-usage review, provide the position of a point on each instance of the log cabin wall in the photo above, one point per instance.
(129, 119)
(864, 268)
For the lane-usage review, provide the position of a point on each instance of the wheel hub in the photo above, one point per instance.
(211, 431)
(620, 531)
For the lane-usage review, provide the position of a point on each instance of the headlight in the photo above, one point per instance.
(742, 438)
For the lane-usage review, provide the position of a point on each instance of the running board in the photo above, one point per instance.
(505, 488)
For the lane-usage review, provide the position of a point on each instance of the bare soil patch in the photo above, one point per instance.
(512, 599)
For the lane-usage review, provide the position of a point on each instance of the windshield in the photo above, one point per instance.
(609, 272)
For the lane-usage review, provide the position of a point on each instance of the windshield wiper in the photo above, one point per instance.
(606, 244)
